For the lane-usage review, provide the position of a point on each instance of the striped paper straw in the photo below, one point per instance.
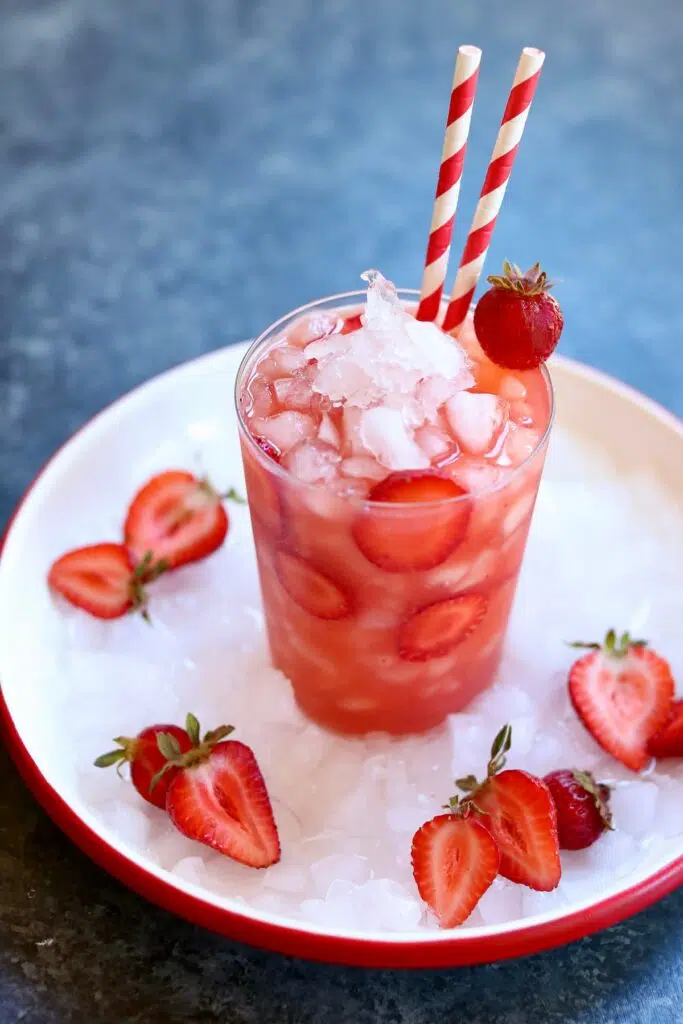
(448, 185)
(495, 183)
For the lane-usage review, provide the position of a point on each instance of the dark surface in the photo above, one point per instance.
(175, 175)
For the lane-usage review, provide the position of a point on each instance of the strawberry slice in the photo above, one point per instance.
(455, 859)
(177, 517)
(405, 540)
(351, 324)
(668, 741)
(102, 579)
(218, 797)
(623, 692)
(439, 627)
(311, 589)
(519, 812)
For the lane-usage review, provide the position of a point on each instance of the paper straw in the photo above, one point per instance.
(448, 184)
(495, 183)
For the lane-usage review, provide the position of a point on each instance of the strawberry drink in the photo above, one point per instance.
(392, 472)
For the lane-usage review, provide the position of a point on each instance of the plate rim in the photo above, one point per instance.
(460, 949)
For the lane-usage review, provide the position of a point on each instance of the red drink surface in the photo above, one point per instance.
(387, 616)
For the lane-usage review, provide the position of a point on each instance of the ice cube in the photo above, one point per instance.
(476, 420)
(313, 462)
(351, 423)
(534, 903)
(312, 326)
(406, 818)
(519, 513)
(289, 359)
(362, 467)
(520, 443)
(294, 392)
(344, 867)
(613, 856)
(285, 429)
(546, 755)
(327, 432)
(386, 436)
(432, 392)
(285, 877)
(501, 902)
(634, 806)
(388, 906)
(262, 397)
(669, 808)
(435, 443)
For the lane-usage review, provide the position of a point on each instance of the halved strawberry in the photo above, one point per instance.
(439, 627)
(265, 502)
(146, 759)
(519, 812)
(404, 539)
(351, 324)
(668, 741)
(311, 589)
(177, 517)
(219, 797)
(103, 580)
(455, 859)
(622, 691)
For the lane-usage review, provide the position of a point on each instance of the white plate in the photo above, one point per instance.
(186, 418)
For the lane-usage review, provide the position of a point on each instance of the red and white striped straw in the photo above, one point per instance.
(495, 183)
(448, 185)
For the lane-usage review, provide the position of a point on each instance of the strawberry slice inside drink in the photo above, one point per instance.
(311, 589)
(403, 541)
(437, 629)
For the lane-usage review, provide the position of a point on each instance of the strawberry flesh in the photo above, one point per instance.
(267, 447)
(668, 741)
(177, 517)
(455, 859)
(439, 627)
(311, 589)
(623, 697)
(222, 801)
(351, 324)
(97, 578)
(403, 540)
(518, 810)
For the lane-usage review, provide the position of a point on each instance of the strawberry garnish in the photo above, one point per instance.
(455, 859)
(439, 627)
(218, 797)
(668, 741)
(351, 324)
(518, 811)
(403, 541)
(103, 580)
(517, 322)
(622, 691)
(311, 589)
(146, 760)
(177, 517)
(582, 806)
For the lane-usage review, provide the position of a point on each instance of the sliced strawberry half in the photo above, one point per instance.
(623, 692)
(146, 758)
(455, 859)
(311, 589)
(177, 517)
(405, 539)
(219, 797)
(519, 811)
(102, 579)
(668, 741)
(439, 627)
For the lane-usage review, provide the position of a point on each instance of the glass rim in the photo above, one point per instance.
(283, 474)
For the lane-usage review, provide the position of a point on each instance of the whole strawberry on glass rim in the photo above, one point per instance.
(517, 321)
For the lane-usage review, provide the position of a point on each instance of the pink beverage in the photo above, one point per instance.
(391, 474)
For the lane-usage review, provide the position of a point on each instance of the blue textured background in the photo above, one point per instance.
(175, 174)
